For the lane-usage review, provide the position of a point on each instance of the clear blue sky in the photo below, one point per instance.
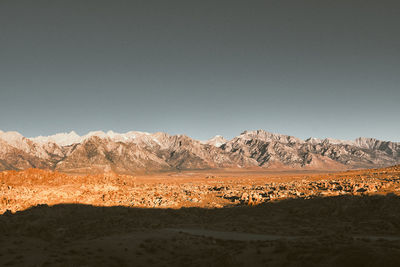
(201, 68)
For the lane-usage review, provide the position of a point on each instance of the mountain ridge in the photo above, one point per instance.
(133, 151)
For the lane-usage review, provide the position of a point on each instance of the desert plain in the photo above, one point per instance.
(201, 218)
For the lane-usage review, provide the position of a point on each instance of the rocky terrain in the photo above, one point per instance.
(135, 152)
(24, 189)
(201, 218)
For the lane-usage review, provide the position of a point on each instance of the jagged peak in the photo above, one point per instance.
(361, 138)
(12, 137)
(269, 136)
(15, 139)
(11, 134)
(334, 141)
(365, 142)
(65, 139)
(313, 140)
(252, 148)
(217, 141)
(183, 137)
(261, 132)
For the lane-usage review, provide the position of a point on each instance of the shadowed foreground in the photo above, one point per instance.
(334, 231)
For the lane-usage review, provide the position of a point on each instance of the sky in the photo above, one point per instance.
(201, 68)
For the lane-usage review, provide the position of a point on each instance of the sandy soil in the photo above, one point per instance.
(331, 219)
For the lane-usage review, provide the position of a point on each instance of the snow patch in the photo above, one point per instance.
(61, 139)
(216, 141)
(12, 138)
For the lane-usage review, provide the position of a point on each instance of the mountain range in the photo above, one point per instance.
(139, 151)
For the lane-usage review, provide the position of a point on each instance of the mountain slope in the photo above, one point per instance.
(140, 151)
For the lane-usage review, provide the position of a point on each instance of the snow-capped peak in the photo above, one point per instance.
(119, 137)
(217, 141)
(99, 134)
(61, 139)
(12, 138)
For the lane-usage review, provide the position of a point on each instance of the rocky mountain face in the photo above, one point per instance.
(139, 151)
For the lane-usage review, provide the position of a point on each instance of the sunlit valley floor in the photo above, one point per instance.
(201, 218)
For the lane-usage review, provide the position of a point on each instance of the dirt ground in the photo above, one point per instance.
(279, 219)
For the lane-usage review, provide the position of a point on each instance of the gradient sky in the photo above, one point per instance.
(201, 68)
